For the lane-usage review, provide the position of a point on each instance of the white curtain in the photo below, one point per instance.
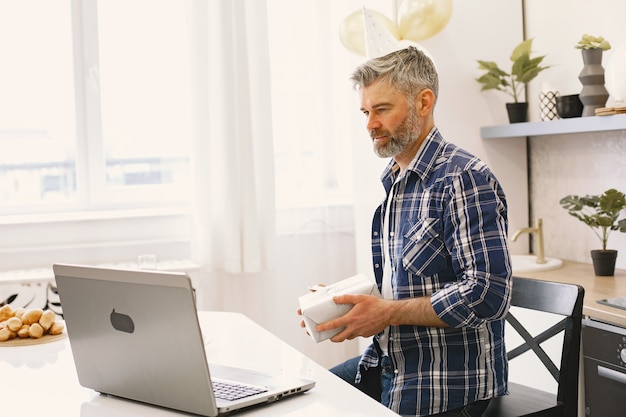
(234, 209)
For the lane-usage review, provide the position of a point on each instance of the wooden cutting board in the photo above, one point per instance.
(29, 341)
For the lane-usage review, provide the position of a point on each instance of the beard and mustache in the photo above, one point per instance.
(406, 133)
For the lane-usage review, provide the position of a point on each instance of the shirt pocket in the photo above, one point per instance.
(424, 251)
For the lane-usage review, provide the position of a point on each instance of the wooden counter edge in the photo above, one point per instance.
(596, 288)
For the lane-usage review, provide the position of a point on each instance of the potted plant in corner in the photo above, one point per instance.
(601, 213)
(523, 70)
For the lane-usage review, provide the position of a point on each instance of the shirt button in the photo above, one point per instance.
(392, 234)
(376, 265)
(375, 233)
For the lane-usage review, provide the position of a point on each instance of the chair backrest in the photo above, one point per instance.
(558, 298)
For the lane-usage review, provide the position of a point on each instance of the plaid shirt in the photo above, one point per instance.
(448, 240)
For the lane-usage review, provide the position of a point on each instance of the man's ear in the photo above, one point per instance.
(425, 101)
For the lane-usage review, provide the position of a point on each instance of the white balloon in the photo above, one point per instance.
(422, 19)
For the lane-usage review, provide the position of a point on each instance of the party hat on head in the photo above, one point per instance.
(379, 41)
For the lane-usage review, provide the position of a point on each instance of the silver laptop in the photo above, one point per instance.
(135, 334)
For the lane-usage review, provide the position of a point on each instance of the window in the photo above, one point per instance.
(37, 135)
(95, 123)
(145, 100)
(95, 104)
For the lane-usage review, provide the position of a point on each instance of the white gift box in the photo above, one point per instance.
(318, 307)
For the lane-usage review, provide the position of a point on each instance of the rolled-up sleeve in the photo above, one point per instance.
(475, 232)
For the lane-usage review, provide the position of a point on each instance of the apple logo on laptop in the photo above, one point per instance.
(122, 322)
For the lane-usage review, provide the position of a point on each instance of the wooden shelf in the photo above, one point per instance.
(556, 127)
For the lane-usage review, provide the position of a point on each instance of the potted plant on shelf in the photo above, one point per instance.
(523, 70)
(593, 42)
(601, 213)
(594, 93)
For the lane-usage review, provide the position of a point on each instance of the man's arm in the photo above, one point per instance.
(371, 315)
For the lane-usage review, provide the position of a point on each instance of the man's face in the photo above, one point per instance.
(392, 120)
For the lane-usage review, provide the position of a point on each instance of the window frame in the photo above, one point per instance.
(89, 126)
(132, 228)
(99, 227)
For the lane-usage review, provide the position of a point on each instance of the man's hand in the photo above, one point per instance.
(369, 316)
(302, 321)
(312, 288)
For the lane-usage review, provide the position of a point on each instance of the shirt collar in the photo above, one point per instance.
(421, 164)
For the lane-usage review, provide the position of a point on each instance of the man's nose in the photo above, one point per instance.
(372, 123)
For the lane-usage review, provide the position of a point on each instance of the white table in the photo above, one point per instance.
(41, 380)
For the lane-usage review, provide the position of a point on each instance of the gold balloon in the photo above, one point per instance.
(352, 30)
(422, 19)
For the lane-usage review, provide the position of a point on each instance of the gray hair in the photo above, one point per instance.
(408, 70)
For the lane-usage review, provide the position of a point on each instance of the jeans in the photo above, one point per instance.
(377, 383)
(370, 379)
(475, 409)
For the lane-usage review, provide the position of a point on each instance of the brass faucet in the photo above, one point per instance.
(538, 231)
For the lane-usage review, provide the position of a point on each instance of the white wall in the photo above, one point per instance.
(461, 111)
(581, 163)
(478, 29)
(576, 164)
(489, 29)
(556, 26)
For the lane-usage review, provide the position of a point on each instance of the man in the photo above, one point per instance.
(439, 244)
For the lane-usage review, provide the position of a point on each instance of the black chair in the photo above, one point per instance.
(551, 297)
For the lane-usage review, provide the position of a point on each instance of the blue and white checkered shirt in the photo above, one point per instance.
(448, 240)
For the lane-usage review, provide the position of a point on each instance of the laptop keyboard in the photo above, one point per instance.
(232, 391)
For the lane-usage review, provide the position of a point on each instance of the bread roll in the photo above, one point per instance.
(4, 334)
(35, 331)
(6, 312)
(22, 333)
(56, 328)
(14, 324)
(32, 316)
(46, 319)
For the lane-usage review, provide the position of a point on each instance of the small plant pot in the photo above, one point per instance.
(518, 112)
(604, 262)
(569, 106)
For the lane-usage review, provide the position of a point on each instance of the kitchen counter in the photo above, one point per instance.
(596, 288)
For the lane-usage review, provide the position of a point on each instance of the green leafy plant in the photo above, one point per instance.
(523, 70)
(593, 42)
(600, 212)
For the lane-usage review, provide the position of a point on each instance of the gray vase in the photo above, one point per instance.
(594, 94)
